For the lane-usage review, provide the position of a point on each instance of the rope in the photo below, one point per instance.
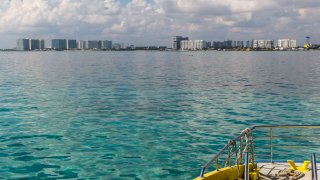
(232, 145)
(285, 174)
(239, 160)
(247, 131)
(252, 148)
(240, 155)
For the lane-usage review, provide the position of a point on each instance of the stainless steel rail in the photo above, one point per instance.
(272, 136)
(246, 167)
(314, 167)
(203, 169)
(271, 128)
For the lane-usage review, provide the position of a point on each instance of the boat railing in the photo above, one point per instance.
(270, 141)
(235, 148)
(314, 167)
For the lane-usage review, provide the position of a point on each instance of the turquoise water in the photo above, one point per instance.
(142, 115)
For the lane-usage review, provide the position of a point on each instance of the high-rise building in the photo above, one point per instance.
(193, 45)
(176, 42)
(100, 44)
(287, 43)
(93, 44)
(34, 44)
(107, 44)
(30, 44)
(264, 44)
(59, 44)
(23, 44)
(81, 44)
(208, 44)
(42, 44)
(238, 44)
(248, 44)
(71, 44)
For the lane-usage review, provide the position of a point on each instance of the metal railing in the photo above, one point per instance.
(314, 167)
(270, 136)
(238, 151)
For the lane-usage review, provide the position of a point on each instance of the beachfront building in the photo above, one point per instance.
(30, 44)
(193, 45)
(238, 44)
(248, 44)
(34, 44)
(263, 44)
(42, 44)
(222, 44)
(287, 43)
(59, 44)
(23, 44)
(107, 44)
(176, 42)
(71, 44)
(94, 44)
(81, 44)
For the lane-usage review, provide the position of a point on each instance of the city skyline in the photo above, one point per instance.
(153, 22)
(178, 43)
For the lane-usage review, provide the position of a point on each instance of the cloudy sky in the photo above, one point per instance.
(154, 22)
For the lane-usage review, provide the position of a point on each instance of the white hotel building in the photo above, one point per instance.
(287, 43)
(193, 45)
(268, 44)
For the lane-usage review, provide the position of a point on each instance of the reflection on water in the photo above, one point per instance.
(142, 115)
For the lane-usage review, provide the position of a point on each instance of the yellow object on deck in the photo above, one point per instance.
(303, 168)
(229, 173)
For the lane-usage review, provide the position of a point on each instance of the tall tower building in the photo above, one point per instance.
(34, 44)
(71, 44)
(176, 42)
(59, 44)
(23, 44)
(42, 45)
(107, 44)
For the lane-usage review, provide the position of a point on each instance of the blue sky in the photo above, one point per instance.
(154, 22)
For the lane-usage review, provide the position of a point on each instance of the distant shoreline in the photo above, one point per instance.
(167, 50)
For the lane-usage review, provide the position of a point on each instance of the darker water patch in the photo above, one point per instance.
(15, 145)
(108, 156)
(31, 158)
(33, 168)
(57, 137)
(67, 174)
(132, 157)
(43, 175)
(4, 155)
(111, 170)
(40, 149)
(5, 110)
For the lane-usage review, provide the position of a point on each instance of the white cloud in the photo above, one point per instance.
(143, 21)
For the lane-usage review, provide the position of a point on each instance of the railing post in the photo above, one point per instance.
(314, 167)
(246, 166)
(202, 171)
(271, 148)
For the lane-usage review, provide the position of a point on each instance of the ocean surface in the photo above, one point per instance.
(143, 115)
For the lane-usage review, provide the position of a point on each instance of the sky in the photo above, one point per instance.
(154, 22)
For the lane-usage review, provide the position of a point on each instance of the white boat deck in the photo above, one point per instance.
(271, 169)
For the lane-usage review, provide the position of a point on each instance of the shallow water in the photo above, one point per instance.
(143, 115)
